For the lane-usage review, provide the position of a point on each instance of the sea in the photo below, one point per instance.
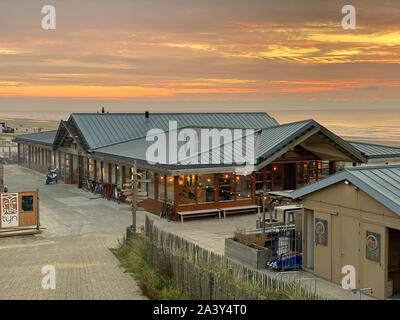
(380, 126)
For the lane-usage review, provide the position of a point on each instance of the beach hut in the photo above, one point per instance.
(352, 218)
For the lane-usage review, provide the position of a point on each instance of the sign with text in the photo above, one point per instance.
(19, 210)
(9, 210)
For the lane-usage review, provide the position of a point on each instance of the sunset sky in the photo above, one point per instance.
(177, 55)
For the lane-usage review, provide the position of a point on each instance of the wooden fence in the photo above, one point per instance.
(205, 275)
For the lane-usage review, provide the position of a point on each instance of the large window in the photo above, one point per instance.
(226, 186)
(170, 188)
(243, 187)
(105, 172)
(90, 168)
(277, 179)
(150, 185)
(118, 179)
(112, 174)
(206, 188)
(161, 186)
(98, 170)
(187, 189)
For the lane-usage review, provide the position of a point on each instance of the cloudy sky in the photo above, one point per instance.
(187, 55)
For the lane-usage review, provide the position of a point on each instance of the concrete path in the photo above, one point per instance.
(77, 237)
(78, 234)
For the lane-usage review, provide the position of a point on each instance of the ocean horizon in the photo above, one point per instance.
(371, 125)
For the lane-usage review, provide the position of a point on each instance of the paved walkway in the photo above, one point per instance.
(76, 241)
(78, 234)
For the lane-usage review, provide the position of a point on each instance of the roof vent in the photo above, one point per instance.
(147, 114)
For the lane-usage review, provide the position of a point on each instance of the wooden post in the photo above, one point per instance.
(134, 184)
(37, 210)
(1, 177)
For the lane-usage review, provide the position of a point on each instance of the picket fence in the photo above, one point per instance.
(197, 271)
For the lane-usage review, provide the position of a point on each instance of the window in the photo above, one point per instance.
(118, 176)
(27, 203)
(98, 170)
(243, 187)
(150, 176)
(105, 172)
(187, 189)
(206, 188)
(226, 186)
(90, 169)
(277, 177)
(170, 188)
(161, 190)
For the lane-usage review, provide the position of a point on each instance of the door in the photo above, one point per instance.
(349, 245)
(323, 245)
(290, 176)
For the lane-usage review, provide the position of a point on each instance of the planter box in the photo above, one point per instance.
(255, 258)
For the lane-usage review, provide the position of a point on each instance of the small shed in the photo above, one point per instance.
(353, 218)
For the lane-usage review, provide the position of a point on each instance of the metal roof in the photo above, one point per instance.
(380, 182)
(45, 137)
(102, 129)
(136, 149)
(267, 141)
(376, 151)
(273, 138)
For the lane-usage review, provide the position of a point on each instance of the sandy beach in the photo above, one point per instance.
(22, 126)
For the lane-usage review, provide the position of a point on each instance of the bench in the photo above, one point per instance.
(199, 213)
(241, 209)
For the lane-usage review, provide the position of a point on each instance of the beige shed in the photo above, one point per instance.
(353, 218)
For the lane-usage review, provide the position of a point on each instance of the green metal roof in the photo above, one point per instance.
(102, 129)
(376, 151)
(44, 138)
(380, 182)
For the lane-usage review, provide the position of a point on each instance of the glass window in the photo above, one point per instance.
(127, 174)
(106, 170)
(112, 174)
(118, 176)
(277, 177)
(150, 185)
(301, 174)
(90, 169)
(226, 186)
(170, 188)
(259, 180)
(67, 159)
(98, 170)
(243, 187)
(206, 188)
(187, 189)
(161, 190)
(27, 203)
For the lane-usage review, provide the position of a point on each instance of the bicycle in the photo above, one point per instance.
(88, 186)
(166, 211)
(115, 194)
(98, 189)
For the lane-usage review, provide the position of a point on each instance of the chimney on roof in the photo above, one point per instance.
(147, 114)
(102, 110)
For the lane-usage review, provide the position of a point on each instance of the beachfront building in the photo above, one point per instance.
(352, 218)
(103, 146)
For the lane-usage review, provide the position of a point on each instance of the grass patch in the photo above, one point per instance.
(155, 284)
